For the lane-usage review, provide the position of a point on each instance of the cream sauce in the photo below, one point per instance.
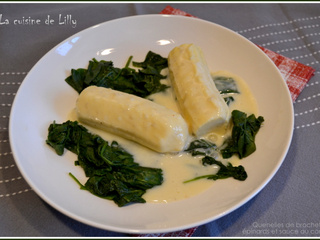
(181, 167)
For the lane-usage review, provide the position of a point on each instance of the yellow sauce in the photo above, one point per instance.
(181, 167)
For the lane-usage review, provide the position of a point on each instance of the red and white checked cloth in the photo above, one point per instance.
(294, 73)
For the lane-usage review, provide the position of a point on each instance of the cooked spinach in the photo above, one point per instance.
(153, 63)
(244, 130)
(225, 84)
(242, 142)
(200, 147)
(141, 82)
(227, 87)
(228, 100)
(205, 148)
(237, 172)
(111, 170)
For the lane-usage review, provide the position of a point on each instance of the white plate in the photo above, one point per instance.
(44, 96)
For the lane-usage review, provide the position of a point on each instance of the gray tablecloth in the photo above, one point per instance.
(287, 206)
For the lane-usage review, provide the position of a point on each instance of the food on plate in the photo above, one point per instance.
(111, 170)
(241, 143)
(142, 83)
(199, 100)
(133, 118)
(206, 150)
(242, 140)
(157, 134)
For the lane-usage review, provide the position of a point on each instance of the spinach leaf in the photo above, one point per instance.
(152, 60)
(244, 130)
(142, 83)
(200, 147)
(224, 172)
(242, 142)
(111, 170)
(225, 84)
(204, 147)
(228, 100)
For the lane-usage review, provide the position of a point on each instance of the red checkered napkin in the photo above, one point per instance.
(294, 73)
